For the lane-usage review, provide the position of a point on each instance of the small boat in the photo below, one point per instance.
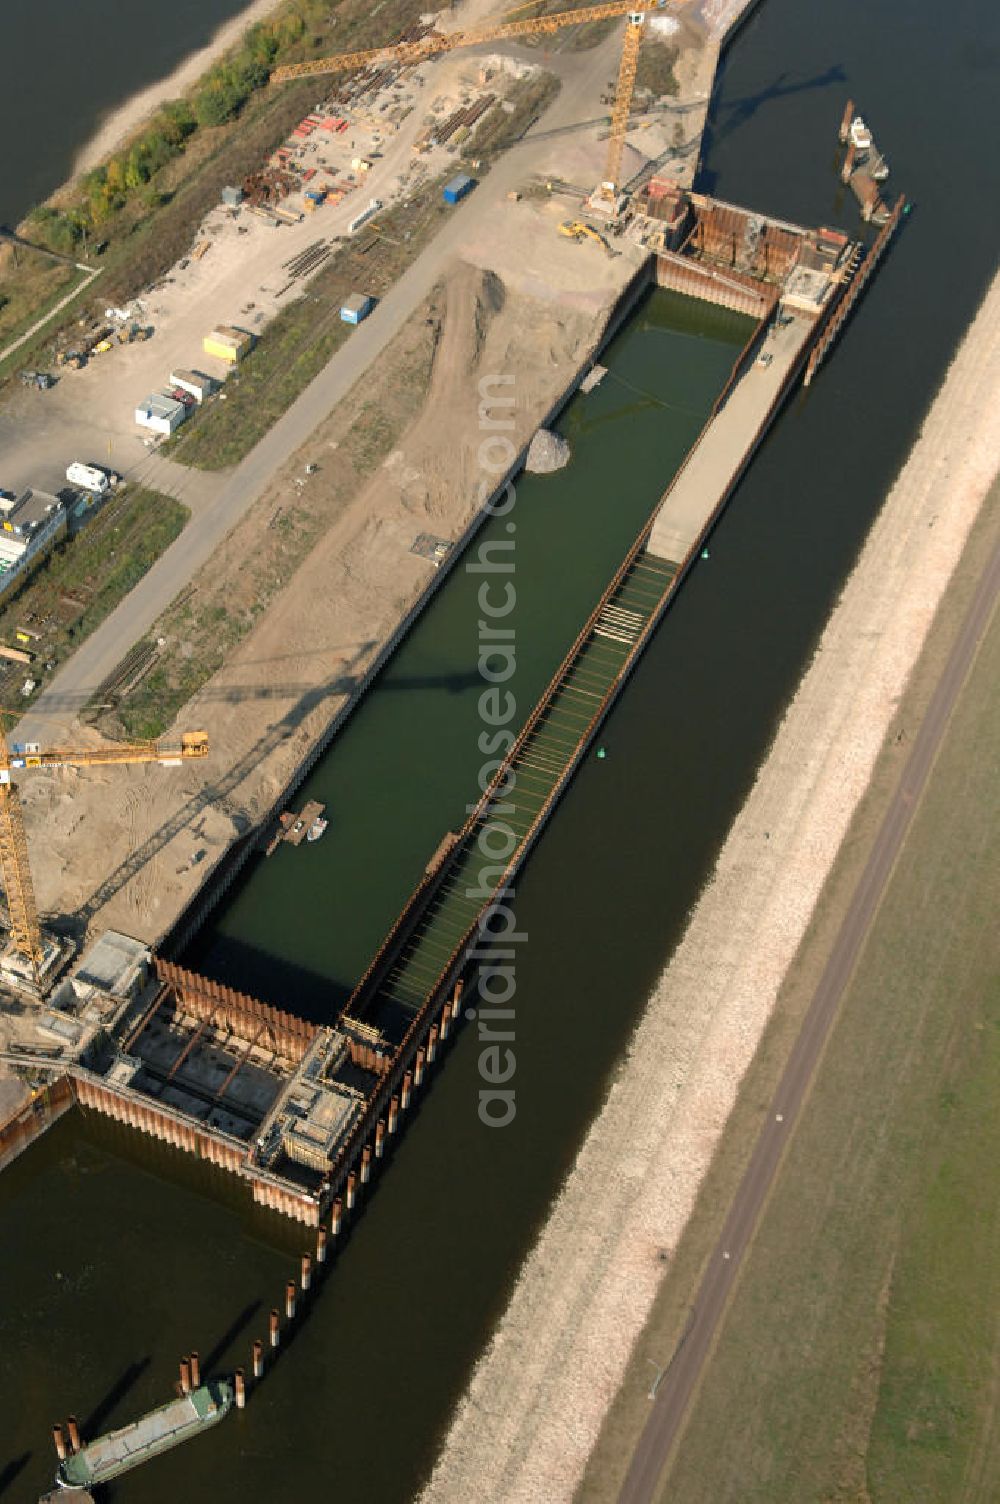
(159, 1430)
(317, 828)
(860, 135)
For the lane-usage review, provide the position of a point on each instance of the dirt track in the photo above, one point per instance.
(536, 1401)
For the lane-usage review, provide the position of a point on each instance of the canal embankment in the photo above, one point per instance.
(174, 938)
(345, 608)
(407, 765)
(534, 1407)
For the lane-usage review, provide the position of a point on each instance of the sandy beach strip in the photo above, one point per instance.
(124, 121)
(535, 1402)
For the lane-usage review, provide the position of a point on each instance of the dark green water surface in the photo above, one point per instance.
(407, 763)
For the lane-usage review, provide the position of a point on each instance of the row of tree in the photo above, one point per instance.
(133, 172)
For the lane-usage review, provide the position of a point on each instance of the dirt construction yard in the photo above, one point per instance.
(267, 704)
(240, 280)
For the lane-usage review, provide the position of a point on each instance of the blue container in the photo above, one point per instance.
(356, 307)
(458, 188)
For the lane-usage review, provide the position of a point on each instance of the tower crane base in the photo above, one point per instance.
(607, 201)
(18, 974)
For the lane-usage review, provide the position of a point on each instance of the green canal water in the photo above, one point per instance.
(304, 923)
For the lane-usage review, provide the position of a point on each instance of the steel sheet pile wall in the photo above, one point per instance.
(730, 290)
(202, 998)
(32, 1118)
(158, 1121)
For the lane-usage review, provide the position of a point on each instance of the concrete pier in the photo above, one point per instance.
(720, 455)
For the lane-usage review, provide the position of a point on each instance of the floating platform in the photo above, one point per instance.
(870, 201)
(864, 166)
(294, 828)
(300, 825)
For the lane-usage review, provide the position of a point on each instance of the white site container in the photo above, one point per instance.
(88, 478)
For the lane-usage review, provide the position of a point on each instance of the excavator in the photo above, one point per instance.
(578, 229)
(25, 929)
(609, 193)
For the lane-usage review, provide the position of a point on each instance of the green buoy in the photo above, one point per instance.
(704, 553)
(601, 752)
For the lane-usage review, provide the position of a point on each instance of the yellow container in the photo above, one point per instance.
(223, 351)
(227, 344)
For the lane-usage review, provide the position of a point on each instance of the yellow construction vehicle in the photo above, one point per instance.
(25, 930)
(609, 192)
(577, 229)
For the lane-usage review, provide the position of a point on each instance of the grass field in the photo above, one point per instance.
(83, 580)
(36, 293)
(860, 1356)
(859, 1359)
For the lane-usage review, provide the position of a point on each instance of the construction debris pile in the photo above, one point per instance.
(456, 127)
(268, 187)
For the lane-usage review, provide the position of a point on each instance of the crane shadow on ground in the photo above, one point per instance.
(345, 683)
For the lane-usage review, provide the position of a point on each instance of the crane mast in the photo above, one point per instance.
(15, 867)
(623, 99)
(25, 930)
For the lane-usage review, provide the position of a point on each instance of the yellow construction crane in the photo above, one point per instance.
(404, 53)
(25, 930)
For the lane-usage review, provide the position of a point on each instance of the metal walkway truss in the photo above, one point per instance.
(442, 920)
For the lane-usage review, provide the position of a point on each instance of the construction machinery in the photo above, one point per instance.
(578, 229)
(607, 196)
(40, 379)
(25, 931)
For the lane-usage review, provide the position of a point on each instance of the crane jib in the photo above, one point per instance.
(414, 52)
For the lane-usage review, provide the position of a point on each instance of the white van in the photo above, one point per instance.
(88, 477)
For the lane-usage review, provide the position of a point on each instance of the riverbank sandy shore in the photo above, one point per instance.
(535, 1403)
(128, 117)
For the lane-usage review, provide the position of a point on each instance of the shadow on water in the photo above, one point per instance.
(235, 1329)
(726, 116)
(12, 1470)
(274, 980)
(93, 1424)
